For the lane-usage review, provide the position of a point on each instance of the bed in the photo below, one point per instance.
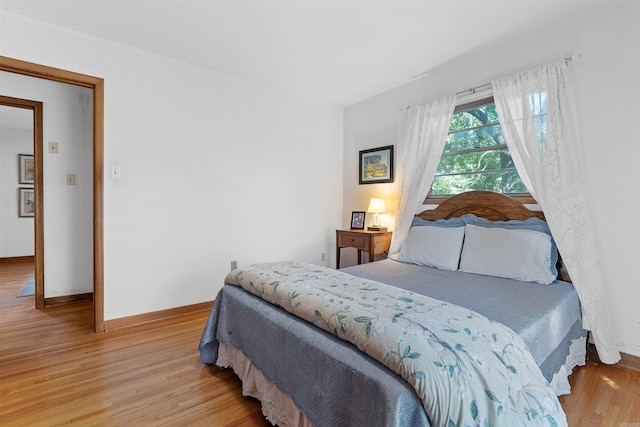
(440, 335)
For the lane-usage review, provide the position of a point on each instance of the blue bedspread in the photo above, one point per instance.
(546, 317)
(334, 384)
(488, 399)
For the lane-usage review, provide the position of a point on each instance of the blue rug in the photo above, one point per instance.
(28, 289)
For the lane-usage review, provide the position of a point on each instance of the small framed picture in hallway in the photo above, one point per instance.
(26, 202)
(26, 168)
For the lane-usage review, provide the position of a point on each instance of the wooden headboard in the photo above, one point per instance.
(485, 204)
(489, 205)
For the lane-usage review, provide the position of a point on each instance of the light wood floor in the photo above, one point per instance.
(55, 371)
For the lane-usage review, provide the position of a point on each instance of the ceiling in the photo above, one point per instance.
(337, 52)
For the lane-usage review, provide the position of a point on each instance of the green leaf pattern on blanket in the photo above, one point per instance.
(467, 370)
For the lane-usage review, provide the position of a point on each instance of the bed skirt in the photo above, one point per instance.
(277, 407)
(576, 357)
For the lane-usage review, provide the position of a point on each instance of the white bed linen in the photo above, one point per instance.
(277, 407)
(576, 357)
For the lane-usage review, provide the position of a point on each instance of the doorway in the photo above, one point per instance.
(36, 108)
(97, 86)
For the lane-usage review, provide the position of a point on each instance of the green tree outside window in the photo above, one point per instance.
(475, 156)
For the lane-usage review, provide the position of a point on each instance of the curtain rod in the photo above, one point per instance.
(474, 89)
(574, 57)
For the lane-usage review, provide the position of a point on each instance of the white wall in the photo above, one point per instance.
(607, 92)
(213, 168)
(16, 233)
(68, 209)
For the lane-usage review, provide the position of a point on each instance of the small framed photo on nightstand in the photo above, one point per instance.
(357, 220)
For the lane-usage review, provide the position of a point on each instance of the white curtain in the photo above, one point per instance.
(423, 138)
(538, 122)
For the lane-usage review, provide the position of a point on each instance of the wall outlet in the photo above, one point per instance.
(234, 265)
(323, 257)
(115, 172)
(53, 147)
(71, 179)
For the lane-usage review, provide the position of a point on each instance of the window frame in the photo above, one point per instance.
(524, 198)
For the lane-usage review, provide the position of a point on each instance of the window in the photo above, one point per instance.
(475, 155)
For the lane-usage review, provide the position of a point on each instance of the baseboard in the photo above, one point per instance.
(123, 322)
(12, 259)
(627, 361)
(68, 299)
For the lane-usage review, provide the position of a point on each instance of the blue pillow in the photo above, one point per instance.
(532, 223)
(451, 222)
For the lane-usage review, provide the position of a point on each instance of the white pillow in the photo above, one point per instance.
(433, 246)
(518, 254)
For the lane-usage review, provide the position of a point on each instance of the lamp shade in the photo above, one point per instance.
(377, 206)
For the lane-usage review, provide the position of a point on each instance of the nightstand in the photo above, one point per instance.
(372, 242)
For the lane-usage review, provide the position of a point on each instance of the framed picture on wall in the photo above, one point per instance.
(26, 168)
(376, 165)
(26, 202)
(357, 220)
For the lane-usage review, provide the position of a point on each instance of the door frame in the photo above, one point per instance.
(96, 84)
(36, 109)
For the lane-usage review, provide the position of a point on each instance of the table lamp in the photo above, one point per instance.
(376, 207)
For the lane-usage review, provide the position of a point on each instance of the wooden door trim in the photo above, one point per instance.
(97, 85)
(36, 108)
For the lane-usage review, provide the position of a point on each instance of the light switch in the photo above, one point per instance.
(53, 147)
(71, 179)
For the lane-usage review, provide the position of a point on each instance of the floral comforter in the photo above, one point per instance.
(466, 369)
